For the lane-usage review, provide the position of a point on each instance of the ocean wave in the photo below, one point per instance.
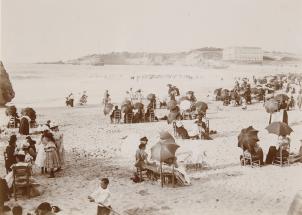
(25, 77)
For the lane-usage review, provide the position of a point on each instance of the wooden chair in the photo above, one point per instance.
(247, 161)
(5, 160)
(12, 123)
(151, 115)
(129, 118)
(117, 117)
(21, 176)
(282, 160)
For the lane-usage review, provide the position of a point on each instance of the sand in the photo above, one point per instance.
(96, 148)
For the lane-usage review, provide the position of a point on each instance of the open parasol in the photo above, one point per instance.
(281, 97)
(126, 108)
(201, 106)
(165, 135)
(151, 96)
(247, 137)
(138, 105)
(161, 152)
(171, 104)
(185, 105)
(279, 128)
(271, 106)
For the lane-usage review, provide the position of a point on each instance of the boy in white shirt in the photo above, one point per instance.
(102, 197)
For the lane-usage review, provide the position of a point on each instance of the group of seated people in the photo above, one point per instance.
(199, 130)
(142, 163)
(130, 116)
(254, 154)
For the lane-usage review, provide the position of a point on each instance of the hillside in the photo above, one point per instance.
(207, 56)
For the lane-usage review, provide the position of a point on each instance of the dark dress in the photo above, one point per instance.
(24, 126)
(4, 192)
(11, 159)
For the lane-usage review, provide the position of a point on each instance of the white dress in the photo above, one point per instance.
(41, 155)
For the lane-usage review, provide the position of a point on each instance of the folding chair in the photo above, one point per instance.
(282, 160)
(117, 117)
(129, 118)
(21, 176)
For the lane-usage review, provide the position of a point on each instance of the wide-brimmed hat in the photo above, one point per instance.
(144, 139)
(53, 125)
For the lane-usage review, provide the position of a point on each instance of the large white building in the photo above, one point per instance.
(243, 54)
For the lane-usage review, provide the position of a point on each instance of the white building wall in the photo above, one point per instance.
(243, 54)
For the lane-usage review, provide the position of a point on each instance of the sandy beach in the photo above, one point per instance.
(96, 148)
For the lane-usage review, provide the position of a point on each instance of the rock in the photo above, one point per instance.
(6, 90)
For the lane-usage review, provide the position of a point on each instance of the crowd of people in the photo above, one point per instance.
(46, 153)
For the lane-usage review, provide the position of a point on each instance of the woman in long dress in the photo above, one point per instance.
(58, 137)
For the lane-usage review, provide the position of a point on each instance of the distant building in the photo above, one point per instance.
(243, 54)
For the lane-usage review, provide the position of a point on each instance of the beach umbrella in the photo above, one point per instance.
(138, 105)
(151, 96)
(183, 98)
(247, 137)
(108, 108)
(172, 104)
(126, 102)
(162, 152)
(190, 92)
(173, 116)
(281, 97)
(279, 128)
(165, 135)
(126, 108)
(217, 91)
(201, 106)
(271, 106)
(185, 105)
(168, 141)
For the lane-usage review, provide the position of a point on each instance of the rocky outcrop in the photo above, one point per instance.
(6, 90)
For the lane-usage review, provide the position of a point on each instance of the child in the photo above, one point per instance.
(102, 197)
(52, 159)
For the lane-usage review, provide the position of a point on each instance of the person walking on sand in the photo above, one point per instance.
(101, 196)
(52, 159)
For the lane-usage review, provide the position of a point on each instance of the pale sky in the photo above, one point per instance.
(47, 30)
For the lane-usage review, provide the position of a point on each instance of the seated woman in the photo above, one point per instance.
(139, 116)
(283, 149)
(21, 162)
(141, 157)
(255, 153)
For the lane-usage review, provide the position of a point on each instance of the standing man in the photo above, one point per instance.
(102, 197)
